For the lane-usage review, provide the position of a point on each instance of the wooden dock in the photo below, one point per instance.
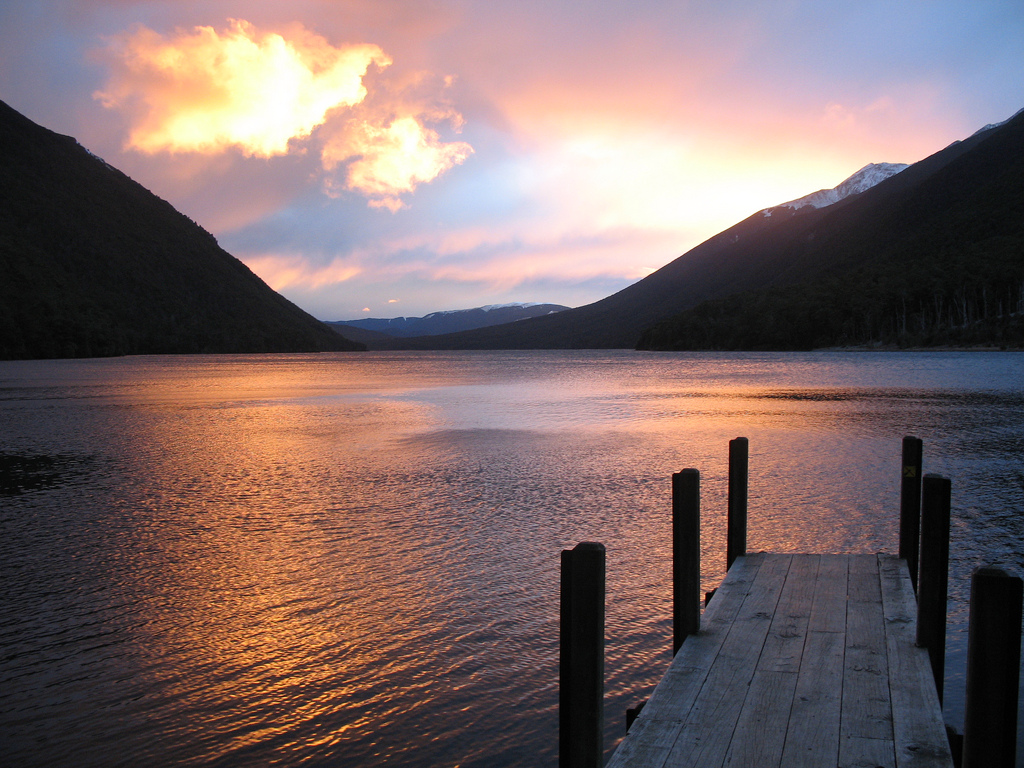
(800, 661)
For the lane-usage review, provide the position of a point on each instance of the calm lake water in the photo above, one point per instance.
(352, 559)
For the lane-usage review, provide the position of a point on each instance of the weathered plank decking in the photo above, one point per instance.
(800, 661)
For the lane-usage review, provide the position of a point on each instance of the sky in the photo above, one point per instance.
(385, 158)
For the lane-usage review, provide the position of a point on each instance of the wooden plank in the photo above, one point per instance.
(802, 662)
(761, 729)
(688, 670)
(658, 726)
(712, 719)
(784, 646)
(866, 707)
(648, 744)
(828, 614)
(760, 732)
(813, 735)
(858, 752)
(918, 729)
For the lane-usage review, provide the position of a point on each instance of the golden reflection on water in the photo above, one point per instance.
(230, 572)
(249, 540)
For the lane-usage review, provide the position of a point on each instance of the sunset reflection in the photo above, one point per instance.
(266, 567)
(354, 558)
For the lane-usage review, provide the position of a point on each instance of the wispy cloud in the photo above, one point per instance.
(282, 271)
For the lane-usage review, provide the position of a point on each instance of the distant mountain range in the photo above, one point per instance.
(447, 321)
(93, 264)
(927, 254)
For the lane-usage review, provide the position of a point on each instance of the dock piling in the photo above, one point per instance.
(910, 505)
(632, 713)
(581, 657)
(685, 556)
(932, 585)
(993, 669)
(736, 536)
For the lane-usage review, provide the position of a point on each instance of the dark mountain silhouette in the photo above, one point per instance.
(953, 219)
(93, 264)
(449, 321)
(932, 256)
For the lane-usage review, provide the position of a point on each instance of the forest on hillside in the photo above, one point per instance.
(968, 296)
(93, 264)
(939, 262)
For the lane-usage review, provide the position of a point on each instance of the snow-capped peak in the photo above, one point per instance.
(523, 304)
(485, 308)
(864, 179)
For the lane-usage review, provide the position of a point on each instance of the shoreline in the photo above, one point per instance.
(941, 348)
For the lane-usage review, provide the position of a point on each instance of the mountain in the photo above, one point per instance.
(93, 264)
(932, 256)
(955, 211)
(863, 180)
(451, 321)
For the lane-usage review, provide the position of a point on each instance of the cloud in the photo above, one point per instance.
(386, 161)
(205, 91)
(266, 93)
(282, 271)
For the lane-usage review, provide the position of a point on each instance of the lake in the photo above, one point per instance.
(352, 559)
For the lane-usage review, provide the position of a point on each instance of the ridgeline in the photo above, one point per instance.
(92, 264)
(933, 256)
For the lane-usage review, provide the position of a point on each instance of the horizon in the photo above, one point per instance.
(390, 160)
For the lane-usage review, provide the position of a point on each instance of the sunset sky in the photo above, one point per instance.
(380, 158)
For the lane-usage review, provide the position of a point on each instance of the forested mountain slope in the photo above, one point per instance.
(928, 259)
(93, 264)
(958, 209)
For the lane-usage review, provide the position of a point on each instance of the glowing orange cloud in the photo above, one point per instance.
(387, 161)
(204, 91)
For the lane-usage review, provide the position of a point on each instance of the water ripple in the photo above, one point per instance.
(353, 560)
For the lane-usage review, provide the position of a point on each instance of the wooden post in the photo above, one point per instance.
(736, 537)
(993, 669)
(632, 713)
(910, 505)
(931, 601)
(685, 556)
(581, 657)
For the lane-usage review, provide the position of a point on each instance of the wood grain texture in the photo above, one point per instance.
(802, 661)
